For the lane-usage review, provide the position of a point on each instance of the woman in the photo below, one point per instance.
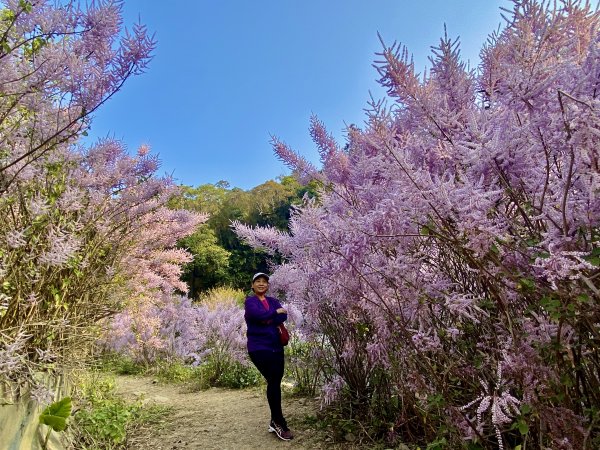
(263, 314)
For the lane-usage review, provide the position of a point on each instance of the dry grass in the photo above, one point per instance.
(220, 296)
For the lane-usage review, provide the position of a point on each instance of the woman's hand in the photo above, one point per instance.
(281, 311)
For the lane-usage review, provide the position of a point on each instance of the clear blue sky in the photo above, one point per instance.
(227, 74)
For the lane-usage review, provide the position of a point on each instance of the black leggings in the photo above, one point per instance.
(270, 365)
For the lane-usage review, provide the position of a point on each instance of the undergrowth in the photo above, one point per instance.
(104, 420)
(211, 373)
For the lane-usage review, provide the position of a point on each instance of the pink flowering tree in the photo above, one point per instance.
(451, 262)
(58, 64)
(84, 232)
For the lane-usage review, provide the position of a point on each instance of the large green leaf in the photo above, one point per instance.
(55, 415)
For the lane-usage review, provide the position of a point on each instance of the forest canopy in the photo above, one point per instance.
(220, 258)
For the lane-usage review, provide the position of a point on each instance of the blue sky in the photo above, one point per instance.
(228, 74)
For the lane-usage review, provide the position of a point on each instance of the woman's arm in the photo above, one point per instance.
(254, 311)
(281, 313)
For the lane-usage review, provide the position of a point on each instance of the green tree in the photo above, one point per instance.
(206, 198)
(210, 266)
(268, 204)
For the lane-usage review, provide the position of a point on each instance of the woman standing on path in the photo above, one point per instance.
(263, 314)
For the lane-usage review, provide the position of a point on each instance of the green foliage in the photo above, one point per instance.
(521, 422)
(25, 6)
(210, 266)
(219, 256)
(239, 376)
(333, 421)
(105, 420)
(234, 375)
(222, 296)
(119, 364)
(55, 417)
(175, 372)
(207, 198)
(305, 366)
(56, 414)
(438, 444)
(215, 372)
(594, 257)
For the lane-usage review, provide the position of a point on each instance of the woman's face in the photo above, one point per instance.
(260, 285)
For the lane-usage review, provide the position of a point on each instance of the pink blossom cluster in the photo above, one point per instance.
(459, 232)
(178, 329)
(129, 202)
(58, 64)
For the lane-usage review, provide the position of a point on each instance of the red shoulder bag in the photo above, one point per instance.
(284, 334)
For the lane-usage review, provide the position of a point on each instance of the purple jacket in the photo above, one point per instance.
(262, 324)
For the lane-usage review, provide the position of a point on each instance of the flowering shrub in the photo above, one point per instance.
(452, 260)
(81, 229)
(177, 329)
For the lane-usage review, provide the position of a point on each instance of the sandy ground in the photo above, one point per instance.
(218, 418)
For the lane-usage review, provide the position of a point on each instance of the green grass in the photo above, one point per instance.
(211, 373)
(119, 364)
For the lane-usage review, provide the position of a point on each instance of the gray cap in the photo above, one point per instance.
(258, 275)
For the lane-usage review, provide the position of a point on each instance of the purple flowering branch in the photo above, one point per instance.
(458, 237)
(83, 232)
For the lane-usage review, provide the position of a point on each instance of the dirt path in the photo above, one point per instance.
(217, 418)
